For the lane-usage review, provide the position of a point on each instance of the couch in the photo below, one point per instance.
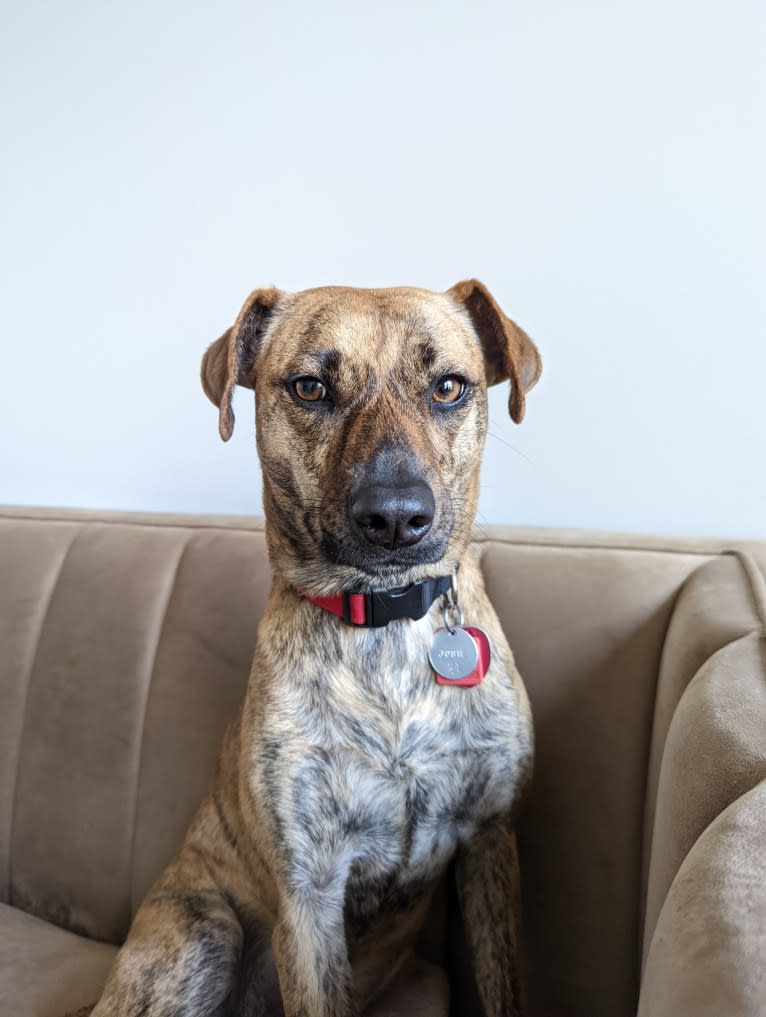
(126, 641)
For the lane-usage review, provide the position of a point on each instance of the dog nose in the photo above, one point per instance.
(393, 516)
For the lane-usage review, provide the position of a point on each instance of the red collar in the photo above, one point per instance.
(378, 608)
(343, 604)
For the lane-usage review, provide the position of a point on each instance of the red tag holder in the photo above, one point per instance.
(481, 639)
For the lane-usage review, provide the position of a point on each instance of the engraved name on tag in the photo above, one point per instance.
(453, 655)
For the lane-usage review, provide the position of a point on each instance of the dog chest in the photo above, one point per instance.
(373, 771)
(393, 788)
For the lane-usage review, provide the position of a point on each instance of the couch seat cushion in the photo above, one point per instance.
(46, 971)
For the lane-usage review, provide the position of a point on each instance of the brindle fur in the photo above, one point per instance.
(350, 779)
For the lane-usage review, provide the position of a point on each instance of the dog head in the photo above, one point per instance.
(371, 415)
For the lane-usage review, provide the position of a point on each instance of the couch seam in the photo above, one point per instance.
(144, 713)
(25, 706)
(152, 524)
(756, 583)
(645, 862)
(685, 553)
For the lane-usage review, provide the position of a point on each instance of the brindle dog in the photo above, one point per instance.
(350, 778)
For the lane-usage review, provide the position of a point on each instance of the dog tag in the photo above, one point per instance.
(453, 655)
(484, 657)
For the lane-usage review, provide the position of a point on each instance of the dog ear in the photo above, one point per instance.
(508, 350)
(229, 361)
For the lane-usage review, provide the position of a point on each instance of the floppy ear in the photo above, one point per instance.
(229, 361)
(508, 350)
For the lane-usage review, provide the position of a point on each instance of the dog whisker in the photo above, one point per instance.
(513, 448)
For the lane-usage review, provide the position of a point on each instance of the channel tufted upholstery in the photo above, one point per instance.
(126, 643)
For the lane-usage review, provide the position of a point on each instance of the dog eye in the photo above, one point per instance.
(448, 390)
(309, 390)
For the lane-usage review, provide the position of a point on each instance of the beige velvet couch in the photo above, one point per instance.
(126, 642)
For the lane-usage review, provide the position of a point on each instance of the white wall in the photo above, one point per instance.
(600, 165)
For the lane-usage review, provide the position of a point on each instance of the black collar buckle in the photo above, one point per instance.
(382, 606)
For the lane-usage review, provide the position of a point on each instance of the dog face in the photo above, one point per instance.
(371, 415)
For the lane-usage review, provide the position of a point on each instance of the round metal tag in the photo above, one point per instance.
(453, 655)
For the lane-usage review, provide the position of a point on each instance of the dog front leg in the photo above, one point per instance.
(180, 958)
(487, 872)
(310, 950)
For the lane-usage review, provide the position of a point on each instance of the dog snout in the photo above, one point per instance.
(393, 516)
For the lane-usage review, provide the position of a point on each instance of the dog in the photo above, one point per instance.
(357, 769)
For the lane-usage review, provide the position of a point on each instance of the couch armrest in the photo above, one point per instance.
(705, 929)
(708, 952)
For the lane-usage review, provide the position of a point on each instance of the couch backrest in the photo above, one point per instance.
(126, 643)
(126, 649)
(586, 625)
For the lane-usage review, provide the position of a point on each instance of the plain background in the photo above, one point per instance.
(599, 165)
